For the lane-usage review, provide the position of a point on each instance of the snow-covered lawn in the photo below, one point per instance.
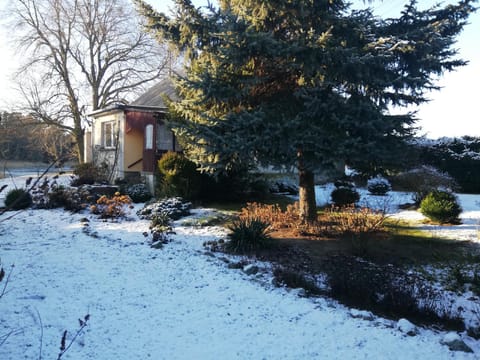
(177, 302)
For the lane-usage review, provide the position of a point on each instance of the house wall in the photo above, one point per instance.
(113, 156)
(133, 150)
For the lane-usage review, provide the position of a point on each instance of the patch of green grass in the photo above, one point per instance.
(216, 219)
(408, 244)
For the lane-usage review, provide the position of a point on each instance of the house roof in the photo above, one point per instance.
(155, 95)
(150, 101)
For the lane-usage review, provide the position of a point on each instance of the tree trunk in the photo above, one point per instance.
(307, 201)
(78, 134)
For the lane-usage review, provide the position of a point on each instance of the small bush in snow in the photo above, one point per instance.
(442, 207)
(378, 186)
(174, 208)
(18, 199)
(139, 193)
(160, 227)
(112, 208)
(248, 235)
(344, 194)
(423, 180)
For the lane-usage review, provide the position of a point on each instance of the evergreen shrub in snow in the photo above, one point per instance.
(248, 235)
(18, 199)
(139, 193)
(442, 207)
(378, 185)
(344, 194)
(174, 208)
(423, 180)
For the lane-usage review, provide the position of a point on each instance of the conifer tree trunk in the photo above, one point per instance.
(307, 201)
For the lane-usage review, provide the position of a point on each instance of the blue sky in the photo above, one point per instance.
(452, 111)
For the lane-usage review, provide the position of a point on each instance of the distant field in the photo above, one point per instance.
(17, 167)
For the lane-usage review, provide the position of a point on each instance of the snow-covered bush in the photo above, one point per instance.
(378, 185)
(442, 207)
(344, 194)
(139, 193)
(174, 208)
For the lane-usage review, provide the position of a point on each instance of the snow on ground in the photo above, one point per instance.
(171, 303)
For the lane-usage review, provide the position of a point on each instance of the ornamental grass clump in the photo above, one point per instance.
(248, 235)
(442, 207)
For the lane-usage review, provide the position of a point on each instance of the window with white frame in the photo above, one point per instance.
(109, 134)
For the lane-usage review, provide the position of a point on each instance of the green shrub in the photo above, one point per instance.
(58, 197)
(344, 194)
(442, 207)
(248, 235)
(139, 193)
(160, 220)
(18, 199)
(90, 173)
(178, 177)
(378, 186)
(423, 180)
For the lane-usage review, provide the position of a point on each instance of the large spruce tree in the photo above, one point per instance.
(303, 83)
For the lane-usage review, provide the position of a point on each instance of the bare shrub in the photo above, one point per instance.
(423, 180)
(388, 291)
(354, 220)
(295, 280)
(272, 214)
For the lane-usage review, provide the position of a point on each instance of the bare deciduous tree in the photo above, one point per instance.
(81, 55)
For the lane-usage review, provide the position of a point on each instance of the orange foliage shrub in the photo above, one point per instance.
(112, 208)
(272, 214)
(355, 220)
